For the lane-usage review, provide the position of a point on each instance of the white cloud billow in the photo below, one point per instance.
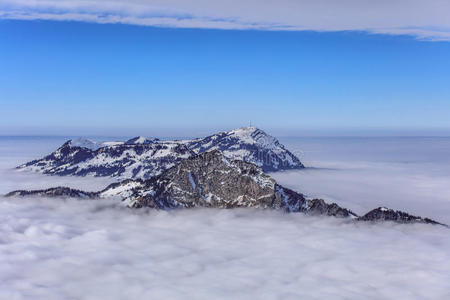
(426, 20)
(72, 249)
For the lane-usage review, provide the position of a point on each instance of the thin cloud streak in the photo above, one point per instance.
(424, 20)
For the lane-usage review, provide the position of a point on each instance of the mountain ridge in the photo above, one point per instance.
(142, 157)
(212, 180)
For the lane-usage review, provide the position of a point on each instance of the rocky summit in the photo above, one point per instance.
(387, 214)
(143, 158)
(213, 180)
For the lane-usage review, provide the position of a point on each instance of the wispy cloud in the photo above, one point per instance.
(425, 20)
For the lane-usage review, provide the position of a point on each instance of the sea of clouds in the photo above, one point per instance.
(403, 173)
(97, 249)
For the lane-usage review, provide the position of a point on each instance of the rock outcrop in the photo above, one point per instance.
(386, 214)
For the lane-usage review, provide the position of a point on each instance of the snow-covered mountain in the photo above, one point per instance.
(213, 180)
(116, 160)
(142, 157)
(249, 144)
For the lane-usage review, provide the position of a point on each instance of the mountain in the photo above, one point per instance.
(249, 144)
(143, 158)
(212, 180)
(209, 179)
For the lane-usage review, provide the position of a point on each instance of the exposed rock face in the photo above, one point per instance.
(54, 192)
(213, 180)
(209, 180)
(143, 158)
(386, 214)
(320, 207)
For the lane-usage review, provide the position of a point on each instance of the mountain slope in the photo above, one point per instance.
(121, 160)
(143, 158)
(208, 180)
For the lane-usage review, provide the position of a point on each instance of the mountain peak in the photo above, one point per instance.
(387, 214)
(255, 136)
(248, 129)
(84, 143)
(140, 140)
(246, 134)
(244, 130)
(249, 144)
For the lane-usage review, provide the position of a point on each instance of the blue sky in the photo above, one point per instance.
(66, 78)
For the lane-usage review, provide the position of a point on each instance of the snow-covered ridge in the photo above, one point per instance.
(141, 140)
(86, 143)
(142, 157)
(92, 145)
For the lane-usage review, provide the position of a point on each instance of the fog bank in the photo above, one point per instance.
(72, 249)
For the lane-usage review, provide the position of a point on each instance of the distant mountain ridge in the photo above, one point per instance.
(143, 158)
(212, 180)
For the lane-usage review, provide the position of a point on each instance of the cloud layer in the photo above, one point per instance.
(409, 174)
(56, 249)
(426, 20)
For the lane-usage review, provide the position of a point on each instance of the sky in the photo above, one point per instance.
(165, 68)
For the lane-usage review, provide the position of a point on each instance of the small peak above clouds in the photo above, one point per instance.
(387, 214)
